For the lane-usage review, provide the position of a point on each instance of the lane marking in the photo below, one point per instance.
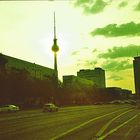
(127, 134)
(81, 125)
(101, 131)
(116, 128)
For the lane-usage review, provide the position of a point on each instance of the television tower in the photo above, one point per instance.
(55, 49)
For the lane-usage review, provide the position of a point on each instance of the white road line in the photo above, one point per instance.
(81, 125)
(127, 134)
(116, 128)
(101, 131)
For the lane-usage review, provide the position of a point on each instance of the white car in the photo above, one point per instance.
(9, 108)
(50, 108)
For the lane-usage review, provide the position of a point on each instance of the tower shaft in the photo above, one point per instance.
(55, 61)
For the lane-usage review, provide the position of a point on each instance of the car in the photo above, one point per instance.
(50, 108)
(116, 102)
(98, 103)
(9, 108)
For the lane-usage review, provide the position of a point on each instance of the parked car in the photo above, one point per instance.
(50, 108)
(116, 102)
(98, 103)
(9, 108)
(132, 102)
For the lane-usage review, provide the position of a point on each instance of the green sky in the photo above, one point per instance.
(90, 33)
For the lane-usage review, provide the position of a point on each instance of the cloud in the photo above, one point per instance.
(122, 4)
(115, 77)
(115, 65)
(81, 2)
(87, 63)
(137, 8)
(118, 52)
(97, 7)
(107, 65)
(114, 30)
(94, 51)
(92, 6)
(75, 53)
(85, 48)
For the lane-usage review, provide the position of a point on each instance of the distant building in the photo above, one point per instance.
(34, 70)
(97, 76)
(75, 81)
(136, 65)
(68, 80)
(113, 90)
(124, 93)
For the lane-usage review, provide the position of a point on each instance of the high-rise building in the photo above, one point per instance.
(136, 65)
(55, 49)
(97, 76)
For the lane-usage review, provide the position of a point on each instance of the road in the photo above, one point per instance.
(94, 122)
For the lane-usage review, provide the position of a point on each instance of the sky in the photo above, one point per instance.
(90, 33)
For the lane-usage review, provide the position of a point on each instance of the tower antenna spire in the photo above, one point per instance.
(54, 27)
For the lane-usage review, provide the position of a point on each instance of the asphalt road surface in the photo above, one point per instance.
(95, 122)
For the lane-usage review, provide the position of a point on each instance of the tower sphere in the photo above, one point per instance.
(55, 47)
